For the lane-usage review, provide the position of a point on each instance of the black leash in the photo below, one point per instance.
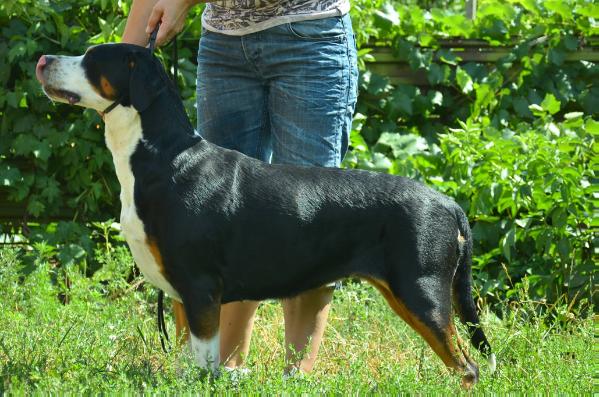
(175, 59)
(153, 35)
(162, 332)
(161, 323)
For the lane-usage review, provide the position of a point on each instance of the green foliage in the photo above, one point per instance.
(538, 39)
(53, 157)
(527, 191)
(98, 335)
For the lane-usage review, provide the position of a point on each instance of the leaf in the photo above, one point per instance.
(590, 10)
(71, 254)
(379, 162)
(550, 104)
(448, 57)
(556, 56)
(464, 80)
(508, 243)
(438, 74)
(402, 102)
(435, 97)
(9, 175)
(570, 42)
(564, 248)
(560, 7)
(523, 223)
(42, 151)
(25, 144)
(386, 17)
(403, 145)
(592, 126)
(559, 218)
(520, 105)
(377, 84)
(484, 97)
(35, 207)
(419, 59)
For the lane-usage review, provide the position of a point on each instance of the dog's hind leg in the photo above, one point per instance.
(431, 318)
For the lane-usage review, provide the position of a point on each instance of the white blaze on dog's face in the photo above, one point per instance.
(65, 80)
(104, 74)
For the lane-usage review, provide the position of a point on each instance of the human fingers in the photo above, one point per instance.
(172, 19)
(155, 17)
(161, 14)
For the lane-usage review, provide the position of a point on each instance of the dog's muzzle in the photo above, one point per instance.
(43, 69)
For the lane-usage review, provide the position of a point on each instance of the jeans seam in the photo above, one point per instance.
(339, 38)
(343, 113)
(265, 114)
(247, 58)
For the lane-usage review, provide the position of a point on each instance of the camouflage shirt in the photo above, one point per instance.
(239, 17)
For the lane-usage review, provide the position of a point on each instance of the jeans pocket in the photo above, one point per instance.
(324, 29)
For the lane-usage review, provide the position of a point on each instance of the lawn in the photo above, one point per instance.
(98, 335)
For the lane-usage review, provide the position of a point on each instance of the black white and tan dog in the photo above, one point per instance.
(210, 226)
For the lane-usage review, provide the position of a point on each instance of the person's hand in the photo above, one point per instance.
(171, 15)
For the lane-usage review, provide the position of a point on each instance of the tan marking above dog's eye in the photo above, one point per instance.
(107, 88)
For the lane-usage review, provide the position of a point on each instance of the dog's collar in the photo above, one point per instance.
(151, 47)
(110, 107)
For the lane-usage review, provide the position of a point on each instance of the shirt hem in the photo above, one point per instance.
(276, 21)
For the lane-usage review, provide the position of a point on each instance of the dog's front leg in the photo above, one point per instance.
(206, 351)
(202, 300)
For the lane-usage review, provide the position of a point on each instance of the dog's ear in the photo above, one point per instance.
(145, 81)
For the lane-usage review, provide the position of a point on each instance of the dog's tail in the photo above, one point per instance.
(462, 291)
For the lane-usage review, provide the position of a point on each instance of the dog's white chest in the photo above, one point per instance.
(122, 143)
(146, 257)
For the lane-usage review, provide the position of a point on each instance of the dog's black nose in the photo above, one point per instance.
(42, 63)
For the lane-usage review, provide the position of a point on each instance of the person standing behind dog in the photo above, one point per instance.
(277, 80)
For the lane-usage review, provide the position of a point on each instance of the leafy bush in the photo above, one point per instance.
(537, 39)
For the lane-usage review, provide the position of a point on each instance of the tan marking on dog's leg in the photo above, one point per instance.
(181, 326)
(443, 345)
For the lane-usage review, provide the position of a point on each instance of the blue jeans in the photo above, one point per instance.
(283, 95)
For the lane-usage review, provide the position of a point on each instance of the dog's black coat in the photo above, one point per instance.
(231, 228)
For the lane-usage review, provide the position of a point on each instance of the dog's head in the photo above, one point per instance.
(106, 73)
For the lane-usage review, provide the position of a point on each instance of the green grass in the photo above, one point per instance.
(105, 340)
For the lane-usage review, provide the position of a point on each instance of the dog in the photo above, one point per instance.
(209, 225)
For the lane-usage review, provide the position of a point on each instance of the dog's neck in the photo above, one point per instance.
(123, 132)
(121, 127)
(157, 135)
